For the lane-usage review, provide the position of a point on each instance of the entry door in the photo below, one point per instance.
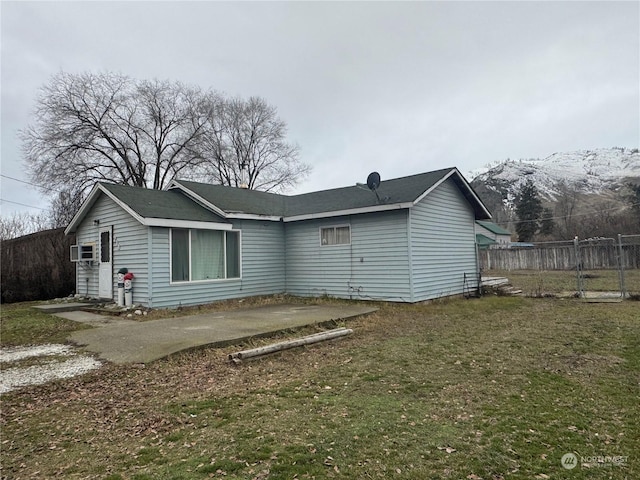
(105, 270)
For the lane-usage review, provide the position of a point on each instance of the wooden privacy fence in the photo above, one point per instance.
(37, 267)
(563, 257)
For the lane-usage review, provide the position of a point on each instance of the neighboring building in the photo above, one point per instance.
(196, 243)
(490, 235)
(483, 242)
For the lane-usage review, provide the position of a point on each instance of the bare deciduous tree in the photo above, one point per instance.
(64, 206)
(93, 127)
(22, 223)
(109, 127)
(565, 208)
(246, 143)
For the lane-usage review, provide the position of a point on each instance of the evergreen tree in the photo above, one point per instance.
(528, 210)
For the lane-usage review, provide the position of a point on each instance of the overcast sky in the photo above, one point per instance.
(397, 87)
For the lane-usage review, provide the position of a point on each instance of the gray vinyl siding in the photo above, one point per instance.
(129, 240)
(442, 244)
(262, 268)
(374, 266)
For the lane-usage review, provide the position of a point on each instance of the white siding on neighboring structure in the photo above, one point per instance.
(262, 268)
(442, 244)
(129, 239)
(373, 266)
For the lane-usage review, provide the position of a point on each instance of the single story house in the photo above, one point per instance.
(412, 239)
(483, 242)
(490, 235)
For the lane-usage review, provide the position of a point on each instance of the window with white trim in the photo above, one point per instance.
(340, 235)
(198, 255)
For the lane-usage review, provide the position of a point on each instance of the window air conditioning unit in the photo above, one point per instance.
(83, 253)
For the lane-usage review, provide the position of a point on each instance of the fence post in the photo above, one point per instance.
(621, 267)
(576, 247)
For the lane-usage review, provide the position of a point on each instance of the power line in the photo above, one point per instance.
(21, 204)
(29, 183)
(506, 222)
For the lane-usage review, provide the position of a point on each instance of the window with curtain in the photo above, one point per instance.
(179, 255)
(335, 235)
(198, 255)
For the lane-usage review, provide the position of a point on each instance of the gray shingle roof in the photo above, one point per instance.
(238, 200)
(396, 191)
(161, 204)
(176, 204)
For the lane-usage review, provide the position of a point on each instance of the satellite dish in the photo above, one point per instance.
(373, 181)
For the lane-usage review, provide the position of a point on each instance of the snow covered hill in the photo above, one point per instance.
(591, 172)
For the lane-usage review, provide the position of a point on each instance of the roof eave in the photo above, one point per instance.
(467, 191)
(88, 204)
(174, 223)
(82, 211)
(253, 216)
(352, 211)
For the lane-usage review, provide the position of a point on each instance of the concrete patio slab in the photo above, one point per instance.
(143, 342)
(94, 319)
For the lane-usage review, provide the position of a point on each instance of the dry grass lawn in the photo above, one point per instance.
(492, 388)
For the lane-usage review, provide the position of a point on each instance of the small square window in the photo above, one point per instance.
(335, 235)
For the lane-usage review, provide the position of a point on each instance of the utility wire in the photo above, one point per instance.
(506, 222)
(29, 183)
(21, 204)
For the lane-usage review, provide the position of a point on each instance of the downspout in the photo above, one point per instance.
(478, 269)
(150, 267)
(410, 255)
(284, 252)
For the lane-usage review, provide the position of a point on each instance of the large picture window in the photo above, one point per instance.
(204, 255)
(335, 235)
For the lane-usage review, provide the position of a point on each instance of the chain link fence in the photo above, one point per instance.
(610, 265)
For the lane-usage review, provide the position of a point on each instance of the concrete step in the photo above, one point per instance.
(62, 307)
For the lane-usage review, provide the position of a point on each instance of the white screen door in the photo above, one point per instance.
(105, 270)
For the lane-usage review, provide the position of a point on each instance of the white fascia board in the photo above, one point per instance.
(434, 186)
(80, 214)
(454, 171)
(253, 216)
(353, 211)
(208, 205)
(173, 223)
(477, 199)
(86, 206)
(123, 205)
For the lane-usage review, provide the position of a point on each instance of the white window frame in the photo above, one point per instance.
(84, 252)
(208, 280)
(334, 228)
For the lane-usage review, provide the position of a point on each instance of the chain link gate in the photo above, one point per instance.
(593, 257)
(629, 259)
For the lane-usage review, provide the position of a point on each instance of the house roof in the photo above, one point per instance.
(196, 205)
(151, 207)
(493, 228)
(483, 241)
(170, 204)
(391, 194)
(231, 200)
(398, 191)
